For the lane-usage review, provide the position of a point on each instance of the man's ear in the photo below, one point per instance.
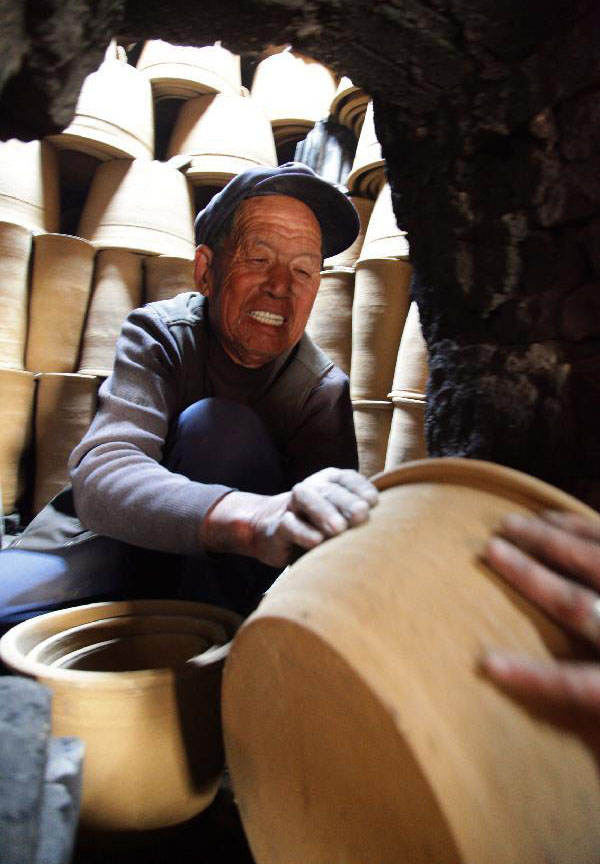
(203, 270)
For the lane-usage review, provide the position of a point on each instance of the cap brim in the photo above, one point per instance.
(335, 212)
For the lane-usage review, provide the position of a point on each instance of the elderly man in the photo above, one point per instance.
(223, 444)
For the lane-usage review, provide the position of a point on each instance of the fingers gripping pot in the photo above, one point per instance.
(139, 682)
(357, 725)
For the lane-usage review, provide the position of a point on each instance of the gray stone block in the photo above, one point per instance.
(61, 799)
(24, 731)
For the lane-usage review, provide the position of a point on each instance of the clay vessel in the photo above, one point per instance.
(383, 238)
(114, 116)
(17, 391)
(349, 105)
(294, 92)
(209, 130)
(330, 322)
(166, 276)
(412, 365)
(61, 285)
(15, 249)
(368, 169)
(349, 256)
(121, 210)
(406, 441)
(372, 421)
(65, 406)
(381, 301)
(143, 695)
(182, 72)
(29, 191)
(117, 291)
(382, 741)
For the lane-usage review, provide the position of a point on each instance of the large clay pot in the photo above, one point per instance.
(383, 238)
(349, 105)
(294, 92)
(372, 421)
(139, 683)
(61, 284)
(117, 291)
(406, 441)
(223, 135)
(15, 249)
(412, 364)
(167, 276)
(64, 408)
(382, 741)
(330, 322)
(122, 212)
(381, 301)
(368, 169)
(181, 71)
(29, 192)
(17, 391)
(114, 116)
(349, 256)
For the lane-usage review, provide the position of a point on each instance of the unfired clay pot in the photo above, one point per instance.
(140, 683)
(358, 727)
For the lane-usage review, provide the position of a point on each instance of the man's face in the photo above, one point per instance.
(269, 278)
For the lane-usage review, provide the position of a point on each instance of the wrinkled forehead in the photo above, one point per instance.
(279, 215)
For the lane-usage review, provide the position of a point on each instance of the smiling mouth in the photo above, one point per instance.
(270, 318)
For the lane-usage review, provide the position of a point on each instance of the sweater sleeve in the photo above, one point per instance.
(325, 436)
(120, 488)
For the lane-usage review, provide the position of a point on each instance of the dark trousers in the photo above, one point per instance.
(212, 441)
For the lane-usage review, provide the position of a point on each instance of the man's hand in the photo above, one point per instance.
(270, 527)
(554, 560)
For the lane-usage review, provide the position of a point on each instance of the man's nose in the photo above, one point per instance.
(278, 280)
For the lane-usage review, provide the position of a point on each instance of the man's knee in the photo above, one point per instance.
(217, 440)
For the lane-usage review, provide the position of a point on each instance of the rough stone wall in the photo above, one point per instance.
(499, 188)
(47, 49)
(488, 115)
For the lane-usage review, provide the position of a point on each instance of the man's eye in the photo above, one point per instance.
(303, 273)
(258, 260)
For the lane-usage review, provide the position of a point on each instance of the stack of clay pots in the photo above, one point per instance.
(380, 307)
(63, 296)
(407, 434)
(349, 105)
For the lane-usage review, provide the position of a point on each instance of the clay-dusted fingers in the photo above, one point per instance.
(353, 508)
(309, 501)
(579, 525)
(558, 548)
(358, 485)
(297, 532)
(567, 602)
(572, 685)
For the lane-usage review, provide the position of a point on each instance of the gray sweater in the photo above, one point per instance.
(166, 359)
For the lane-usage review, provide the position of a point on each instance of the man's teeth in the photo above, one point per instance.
(268, 318)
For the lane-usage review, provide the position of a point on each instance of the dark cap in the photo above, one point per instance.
(335, 212)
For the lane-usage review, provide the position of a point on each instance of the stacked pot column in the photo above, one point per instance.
(29, 205)
(407, 433)
(381, 301)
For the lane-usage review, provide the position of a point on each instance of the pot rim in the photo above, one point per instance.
(483, 474)
(13, 656)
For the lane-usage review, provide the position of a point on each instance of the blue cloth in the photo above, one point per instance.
(213, 441)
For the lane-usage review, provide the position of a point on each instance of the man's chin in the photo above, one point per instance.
(253, 357)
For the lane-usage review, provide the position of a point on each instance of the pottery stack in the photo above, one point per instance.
(381, 301)
(408, 394)
(98, 219)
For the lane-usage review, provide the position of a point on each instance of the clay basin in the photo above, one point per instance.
(139, 682)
